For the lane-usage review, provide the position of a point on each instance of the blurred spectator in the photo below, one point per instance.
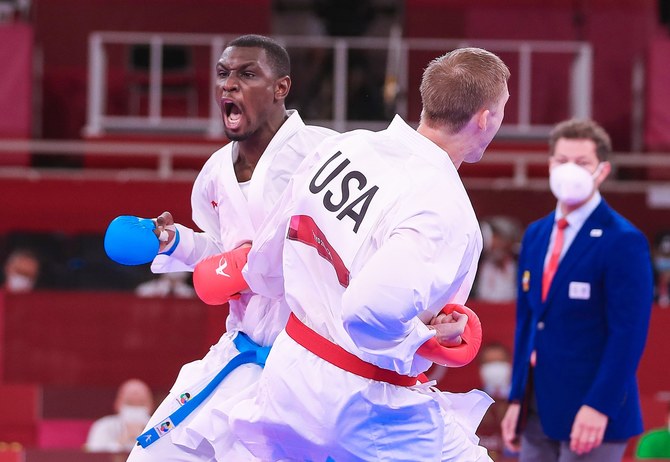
(116, 433)
(21, 270)
(662, 268)
(64, 262)
(13, 10)
(655, 444)
(88, 267)
(365, 78)
(495, 372)
(345, 18)
(496, 279)
(167, 285)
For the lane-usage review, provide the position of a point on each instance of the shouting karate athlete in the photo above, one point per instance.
(375, 234)
(231, 197)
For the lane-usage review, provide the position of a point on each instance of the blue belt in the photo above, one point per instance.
(250, 352)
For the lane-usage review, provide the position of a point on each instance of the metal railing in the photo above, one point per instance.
(164, 153)
(629, 172)
(505, 169)
(396, 48)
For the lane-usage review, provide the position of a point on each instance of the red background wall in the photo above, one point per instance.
(101, 339)
(74, 339)
(46, 204)
(16, 53)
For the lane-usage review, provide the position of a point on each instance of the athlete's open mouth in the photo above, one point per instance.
(232, 114)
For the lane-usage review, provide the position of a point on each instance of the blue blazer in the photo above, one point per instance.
(590, 333)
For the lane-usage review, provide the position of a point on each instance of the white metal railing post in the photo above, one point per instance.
(155, 78)
(520, 171)
(340, 55)
(581, 82)
(393, 67)
(165, 164)
(96, 85)
(637, 118)
(215, 127)
(403, 81)
(525, 81)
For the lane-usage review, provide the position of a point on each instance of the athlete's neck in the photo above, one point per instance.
(448, 143)
(251, 149)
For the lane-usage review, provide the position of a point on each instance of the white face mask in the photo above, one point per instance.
(134, 414)
(496, 377)
(572, 184)
(19, 283)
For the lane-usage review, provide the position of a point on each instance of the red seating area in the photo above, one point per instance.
(19, 412)
(56, 455)
(62, 433)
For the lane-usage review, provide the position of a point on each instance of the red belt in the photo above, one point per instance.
(338, 356)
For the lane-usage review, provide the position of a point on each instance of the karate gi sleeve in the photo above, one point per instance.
(191, 249)
(195, 246)
(420, 267)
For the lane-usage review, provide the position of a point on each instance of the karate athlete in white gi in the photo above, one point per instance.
(375, 232)
(229, 203)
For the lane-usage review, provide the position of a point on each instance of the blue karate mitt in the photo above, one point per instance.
(131, 240)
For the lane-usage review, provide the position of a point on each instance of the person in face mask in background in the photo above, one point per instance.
(116, 433)
(585, 291)
(495, 372)
(22, 268)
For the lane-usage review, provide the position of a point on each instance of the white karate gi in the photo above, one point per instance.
(227, 219)
(393, 235)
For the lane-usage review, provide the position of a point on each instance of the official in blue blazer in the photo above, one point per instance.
(581, 332)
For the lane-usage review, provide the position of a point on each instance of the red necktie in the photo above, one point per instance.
(550, 270)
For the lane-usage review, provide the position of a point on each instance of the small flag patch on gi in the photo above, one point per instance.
(164, 427)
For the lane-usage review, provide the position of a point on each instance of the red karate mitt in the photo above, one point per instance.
(462, 354)
(218, 279)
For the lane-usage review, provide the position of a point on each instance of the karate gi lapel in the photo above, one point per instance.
(235, 223)
(273, 170)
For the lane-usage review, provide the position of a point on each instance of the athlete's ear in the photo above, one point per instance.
(483, 119)
(282, 87)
